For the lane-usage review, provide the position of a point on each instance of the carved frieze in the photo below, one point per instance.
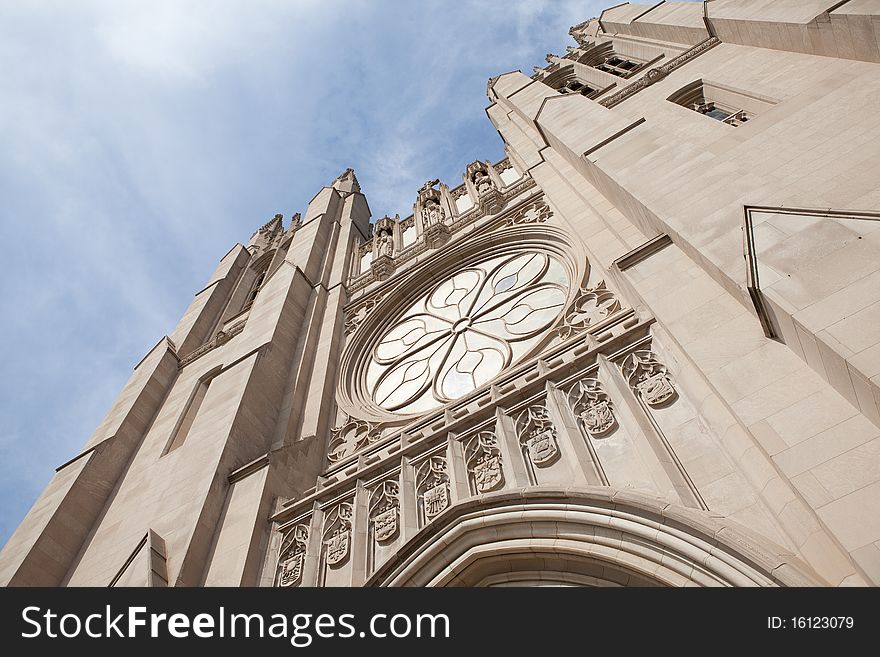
(349, 437)
(291, 559)
(534, 212)
(590, 306)
(537, 435)
(432, 487)
(356, 315)
(592, 406)
(385, 510)
(337, 534)
(483, 460)
(648, 378)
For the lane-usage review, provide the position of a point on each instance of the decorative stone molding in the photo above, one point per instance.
(385, 510)
(355, 316)
(537, 435)
(336, 536)
(658, 73)
(558, 364)
(349, 437)
(648, 378)
(221, 338)
(503, 165)
(590, 306)
(292, 556)
(655, 542)
(432, 487)
(382, 267)
(436, 237)
(535, 212)
(592, 406)
(483, 460)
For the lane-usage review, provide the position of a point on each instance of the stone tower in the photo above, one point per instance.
(640, 350)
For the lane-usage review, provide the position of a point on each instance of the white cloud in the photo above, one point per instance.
(142, 139)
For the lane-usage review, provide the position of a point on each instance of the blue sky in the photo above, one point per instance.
(141, 140)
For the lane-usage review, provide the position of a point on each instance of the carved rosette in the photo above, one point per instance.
(432, 487)
(590, 306)
(534, 212)
(291, 559)
(483, 460)
(537, 435)
(337, 534)
(385, 510)
(648, 377)
(592, 406)
(349, 437)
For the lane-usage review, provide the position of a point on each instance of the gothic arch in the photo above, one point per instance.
(589, 535)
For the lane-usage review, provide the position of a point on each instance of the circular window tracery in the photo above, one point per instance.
(466, 330)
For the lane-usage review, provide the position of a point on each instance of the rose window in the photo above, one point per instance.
(466, 330)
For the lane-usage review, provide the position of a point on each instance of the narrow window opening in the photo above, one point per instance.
(721, 103)
(256, 288)
(184, 424)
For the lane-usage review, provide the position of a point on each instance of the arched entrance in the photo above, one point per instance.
(590, 536)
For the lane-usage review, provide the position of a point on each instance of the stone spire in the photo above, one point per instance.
(268, 231)
(347, 182)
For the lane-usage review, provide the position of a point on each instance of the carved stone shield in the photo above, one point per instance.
(487, 473)
(436, 499)
(598, 418)
(542, 447)
(656, 389)
(337, 546)
(385, 524)
(291, 569)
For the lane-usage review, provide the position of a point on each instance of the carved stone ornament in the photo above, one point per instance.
(592, 406)
(432, 213)
(386, 245)
(648, 377)
(590, 306)
(436, 500)
(534, 212)
(291, 559)
(356, 316)
(483, 460)
(429, 185)
(337, 533)
(349, 437)
(337, 546)
(432, 485)
(385, 510)
(537, 435)
(435, 235)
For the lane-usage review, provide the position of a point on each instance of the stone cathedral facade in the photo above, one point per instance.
(642, 349)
